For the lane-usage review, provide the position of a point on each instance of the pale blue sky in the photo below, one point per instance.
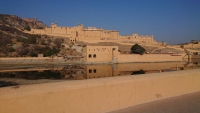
(173, 21)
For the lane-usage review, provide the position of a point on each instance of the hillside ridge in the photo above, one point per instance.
(21, 23)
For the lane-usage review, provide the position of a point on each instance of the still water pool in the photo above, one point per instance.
(35, 74)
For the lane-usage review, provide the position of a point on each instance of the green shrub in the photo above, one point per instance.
(30, 40)
(43, 42)
(33, 55)
(20, 39)
(47, 51)
(11, 49)
(137, 49)
(27, 28)
(40, 27)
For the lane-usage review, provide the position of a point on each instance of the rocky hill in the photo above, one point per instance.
(20, 23)
(14, 42)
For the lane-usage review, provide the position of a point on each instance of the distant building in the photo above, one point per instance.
(100, 53)
(110, 54)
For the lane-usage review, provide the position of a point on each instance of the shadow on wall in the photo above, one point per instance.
(138, 72)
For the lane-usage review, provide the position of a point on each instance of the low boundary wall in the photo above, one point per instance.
(97, 95)
(31, 60)
(121, 58)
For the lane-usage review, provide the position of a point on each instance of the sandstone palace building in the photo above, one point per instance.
(92, 34)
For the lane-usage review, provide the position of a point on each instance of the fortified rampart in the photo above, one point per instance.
(97, 95)
(92, 34)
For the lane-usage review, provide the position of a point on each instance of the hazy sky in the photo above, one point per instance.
(173, 21)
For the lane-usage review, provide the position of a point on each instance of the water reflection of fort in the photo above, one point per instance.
(99, 71)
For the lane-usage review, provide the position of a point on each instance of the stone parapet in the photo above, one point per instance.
(97, 95)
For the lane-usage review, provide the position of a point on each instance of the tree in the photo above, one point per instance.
(137, 49)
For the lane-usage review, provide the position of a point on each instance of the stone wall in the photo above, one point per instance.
(31, 60)
(122, 58)
(97, 95)
(91, 34)
(191, 45)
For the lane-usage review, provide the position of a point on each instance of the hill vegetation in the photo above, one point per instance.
(14, 42)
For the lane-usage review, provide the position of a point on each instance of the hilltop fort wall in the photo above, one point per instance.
(91, 34)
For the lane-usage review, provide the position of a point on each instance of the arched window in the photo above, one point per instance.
(90, 56)
(90, 71)
(94, 56)
(94, 70)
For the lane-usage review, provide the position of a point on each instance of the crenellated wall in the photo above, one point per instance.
(91, 34)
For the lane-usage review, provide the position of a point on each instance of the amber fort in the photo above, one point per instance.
(93, 34)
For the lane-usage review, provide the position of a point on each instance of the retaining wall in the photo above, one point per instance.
(31, 60)
(121, 58)
(97, 95)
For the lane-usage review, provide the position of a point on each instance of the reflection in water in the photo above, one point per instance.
(34, 75)
(7, 83)
(40, 74)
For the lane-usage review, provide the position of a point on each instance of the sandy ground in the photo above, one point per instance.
(188, 103)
